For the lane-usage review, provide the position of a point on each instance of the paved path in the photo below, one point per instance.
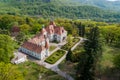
(81, 40)
(54, 67)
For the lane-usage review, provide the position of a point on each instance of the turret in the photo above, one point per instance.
(52, 23)
(43, 31)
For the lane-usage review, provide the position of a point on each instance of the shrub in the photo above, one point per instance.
(116, 61)
(55, 57)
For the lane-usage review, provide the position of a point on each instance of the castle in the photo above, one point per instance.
(38, 46)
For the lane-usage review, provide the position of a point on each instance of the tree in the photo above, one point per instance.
(36, 28)
(21, 37)
(116, 61)
(92, 52)
(25, 28)
(9, 72)
(6, 48)
(69, 55)
(111, 34)
(5, 22)
(3, 31)
(81, 66)
(81, 30)
(29, 21)
(69, 39)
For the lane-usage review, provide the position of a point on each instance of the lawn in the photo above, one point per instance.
(52, 48)
(78, 49)
(68, 45)
(32, 71)
(55, 57)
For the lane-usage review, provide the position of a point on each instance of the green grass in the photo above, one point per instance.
(55, 56)
(52, 48)
(78, 49)
(68, 45)
(32, 71)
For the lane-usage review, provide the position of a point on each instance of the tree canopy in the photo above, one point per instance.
(56, 8)
(9, 72)
(6, 48)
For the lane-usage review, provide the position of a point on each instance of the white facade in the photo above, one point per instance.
(57, 37)
(38, 46)
(51, 37)
(31, 53)
(43, 54)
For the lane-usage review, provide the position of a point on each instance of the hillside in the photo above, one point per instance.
(104, 4)
(56, 8)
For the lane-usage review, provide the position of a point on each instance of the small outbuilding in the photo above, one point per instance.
(19, 58)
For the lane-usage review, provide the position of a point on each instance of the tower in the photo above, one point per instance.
(44, 32)
(47, 46)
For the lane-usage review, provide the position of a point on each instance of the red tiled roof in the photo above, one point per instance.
(33, 47)
(33, 44)
(37, 38)
(43, 31)
(52, 28)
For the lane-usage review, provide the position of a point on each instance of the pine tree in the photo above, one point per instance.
(92, 52)
(69, 55)
(81, 30)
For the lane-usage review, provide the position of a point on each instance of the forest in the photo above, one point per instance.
(98, 57)
(53, 8)
(105, 45)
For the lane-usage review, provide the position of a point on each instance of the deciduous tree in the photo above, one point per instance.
(9, 72)
(6, 48)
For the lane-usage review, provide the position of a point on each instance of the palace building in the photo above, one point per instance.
(38, 46)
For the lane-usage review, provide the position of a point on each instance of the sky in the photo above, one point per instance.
(113, 0)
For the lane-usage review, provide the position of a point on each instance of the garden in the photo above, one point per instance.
(52, 48)
(55, 57)
(71, 42)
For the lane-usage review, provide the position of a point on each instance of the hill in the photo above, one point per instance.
(56, 8)
(104, 4)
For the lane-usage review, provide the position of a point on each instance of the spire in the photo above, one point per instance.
(43, 31)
